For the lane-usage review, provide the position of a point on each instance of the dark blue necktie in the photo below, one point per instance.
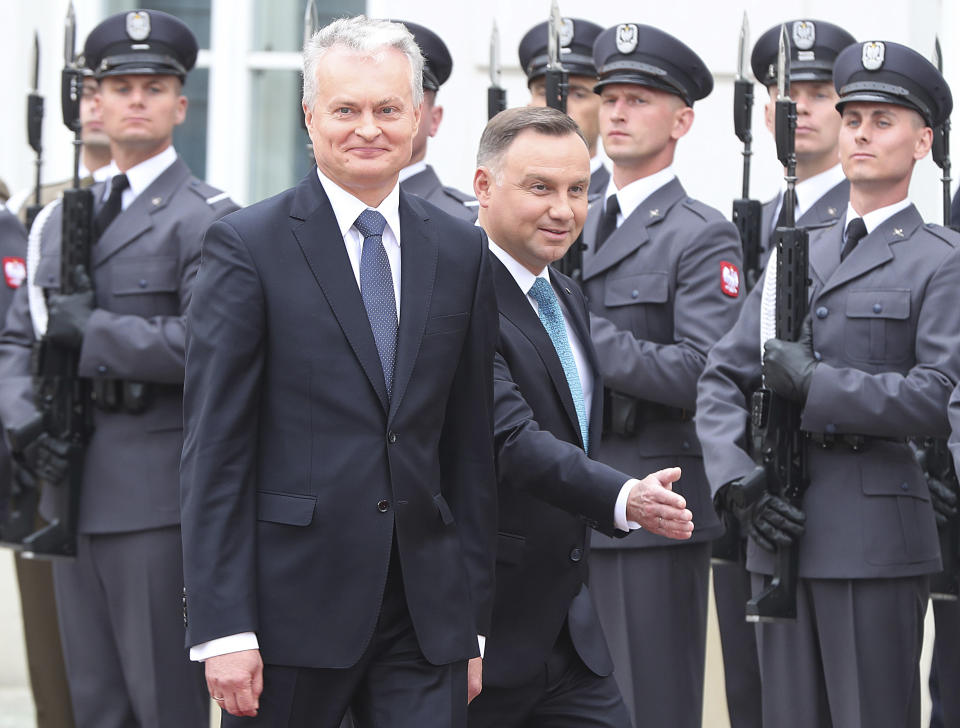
(376, 287)
(548, 307)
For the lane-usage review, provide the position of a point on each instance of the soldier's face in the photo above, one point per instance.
(880, 143)
(141, 111)
(533, 203)
(363, 120)
(641, 125)
(583, 105)
(90, 117)
(818, 123)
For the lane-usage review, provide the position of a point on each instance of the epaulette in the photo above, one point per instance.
(948, 235)
(461, 197)
(208, 193)
(700, 209)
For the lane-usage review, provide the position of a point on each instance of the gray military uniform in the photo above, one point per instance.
(657, 306)
(119, 601)
(427, 185)
(884, 330)
(825, 211)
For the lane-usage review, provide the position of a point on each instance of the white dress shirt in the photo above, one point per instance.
(346, 209)
(873, 220)
(140, 176)
(525, 279)
(810, 191)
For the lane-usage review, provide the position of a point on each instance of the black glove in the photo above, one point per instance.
(46, 458)
(70, 312)
(943, 499)
(768, 519)
(788, 365)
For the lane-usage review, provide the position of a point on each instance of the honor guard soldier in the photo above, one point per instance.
(661, 272)
(418, 178)
(576, 57)
(822, 194)
(119, 600)
(875, 365)
(822, 190)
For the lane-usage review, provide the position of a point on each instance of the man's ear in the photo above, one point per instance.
(436, 116)
(924, 142)
(682, 122)
(483, 181)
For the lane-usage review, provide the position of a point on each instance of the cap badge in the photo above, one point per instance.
(626, 37)
(872, 57)
(566, 32)
(804, 35)
(138, 25)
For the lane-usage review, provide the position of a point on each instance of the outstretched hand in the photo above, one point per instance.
(653, 504)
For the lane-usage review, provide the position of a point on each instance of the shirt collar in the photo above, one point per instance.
(596, 163)
(875, 219)
(524, 278)
(141, 175)
(813, 188)
(415, 168)
(100, 174)
(631, 196)
(347, 208)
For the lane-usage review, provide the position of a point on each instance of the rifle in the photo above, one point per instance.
(747, 213)
(496, 93)
(63, 398)
(935, 456)
(784, 449)
(35, 129)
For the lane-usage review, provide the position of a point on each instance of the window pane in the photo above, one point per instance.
(278, 149)
(278, 24)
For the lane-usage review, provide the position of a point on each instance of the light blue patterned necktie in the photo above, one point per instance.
(376, 288)
(548, 308)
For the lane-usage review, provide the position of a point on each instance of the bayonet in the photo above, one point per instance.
(311, 21)
(69, 36)
(556, 77)
(783, 65)
(35, 129)
(496, 94)
(553, 36)
(742, 45)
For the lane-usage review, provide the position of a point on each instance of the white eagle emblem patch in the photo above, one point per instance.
(729, 279)
(14, 271)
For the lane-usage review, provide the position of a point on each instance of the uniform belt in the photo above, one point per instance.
(854, 443)
(127, 395)
(623, 414)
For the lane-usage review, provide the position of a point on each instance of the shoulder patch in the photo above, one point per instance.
(729, 278)
(14, 271)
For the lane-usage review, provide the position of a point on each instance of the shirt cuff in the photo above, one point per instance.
(482, 641)
(620, 509)
(224, 645)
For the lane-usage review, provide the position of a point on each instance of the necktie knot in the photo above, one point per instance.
(608, 221)
(112, 207)
(118, 184)
(370, 223)
(856, 230)
(542, 292)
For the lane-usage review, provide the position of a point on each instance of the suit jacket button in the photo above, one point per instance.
(391, 437)
(383, 506)
(576, 554)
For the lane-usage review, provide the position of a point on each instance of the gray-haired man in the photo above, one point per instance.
(337, 479)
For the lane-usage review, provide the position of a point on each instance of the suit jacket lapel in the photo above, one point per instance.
(632, 233)
(515, 307)
(874, 249)
(315, 228)
(419, 246)
(136, 219)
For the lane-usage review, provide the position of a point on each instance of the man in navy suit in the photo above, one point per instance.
(546, 661)
(338, 483)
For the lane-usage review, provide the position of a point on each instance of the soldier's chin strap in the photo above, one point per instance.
(35, 294)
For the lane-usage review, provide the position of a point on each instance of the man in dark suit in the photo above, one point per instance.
(661, 272)
(419, 178)
(546, 661)
(337, 483)
(576, 57)
(118, 602)
(875, 365)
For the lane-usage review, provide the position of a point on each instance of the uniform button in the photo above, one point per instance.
(50, 279)
(634, 294)
(685, 445)
(822, 312)
(817, 355)
(102, 368)
(904, 486)
(877, 307)
(830, 429)
(391, 437)
(383, 506)
(576, 553)
(142, 282)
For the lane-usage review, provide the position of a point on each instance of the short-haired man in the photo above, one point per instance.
(875, 365)
(118, 602)
(661, 272)
(419, 178)
(546, 662)
(337, 481)
(576, 57)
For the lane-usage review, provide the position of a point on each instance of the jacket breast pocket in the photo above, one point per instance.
(446, 324)
(141, 276)
(878, 328)
(635, 300)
